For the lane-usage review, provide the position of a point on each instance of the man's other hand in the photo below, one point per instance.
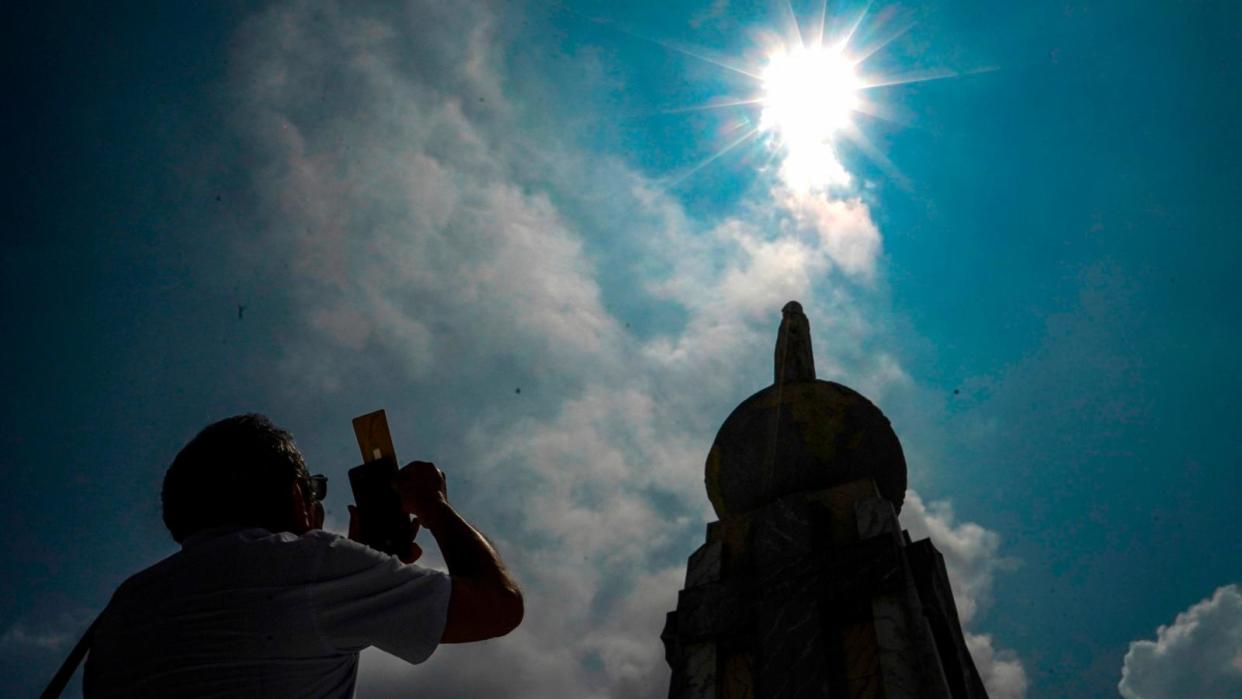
(423, 491)
(355, 533)
(485, 602)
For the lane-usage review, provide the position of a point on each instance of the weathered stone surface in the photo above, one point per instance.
(796, 592)
(807, 586)
(875, 517)
(734, 533)
(668, 636)
(899, 659)
(933, 678)
(839, 502)
(792, 655)
(713, 610)
(794, 360)
(859, 648)
(800, 437)
(805, 569)
(739, 676)
(699, 680)
(866, 687)
(858, 572)
(781, 531)
(704, 565)
(931, 581)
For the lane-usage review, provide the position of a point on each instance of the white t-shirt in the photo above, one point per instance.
(249, 613)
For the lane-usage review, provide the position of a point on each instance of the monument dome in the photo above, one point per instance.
(801, 434)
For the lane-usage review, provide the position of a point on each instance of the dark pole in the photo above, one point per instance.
(67, 668)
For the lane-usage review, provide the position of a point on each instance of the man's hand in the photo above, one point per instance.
(355, 533)
(423, 492)
(485, 602)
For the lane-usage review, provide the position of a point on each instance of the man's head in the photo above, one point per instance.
(243, 471)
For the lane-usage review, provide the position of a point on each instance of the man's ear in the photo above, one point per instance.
(303, 516)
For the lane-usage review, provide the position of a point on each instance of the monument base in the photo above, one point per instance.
(817, 594)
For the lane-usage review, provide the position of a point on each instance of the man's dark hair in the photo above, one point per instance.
(236, 471)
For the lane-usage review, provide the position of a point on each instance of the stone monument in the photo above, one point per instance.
(807, 586)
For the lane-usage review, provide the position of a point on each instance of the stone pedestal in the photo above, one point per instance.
(817, 594)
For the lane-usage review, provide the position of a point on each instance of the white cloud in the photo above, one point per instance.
(971, 553)
(848, 235)
(1003, 674)
(19, 636)
(1198, 655)
(437, 242)
(972, 559)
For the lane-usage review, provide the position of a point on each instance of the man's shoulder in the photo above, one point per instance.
(259, 558)
(340, 556)
(224, 558)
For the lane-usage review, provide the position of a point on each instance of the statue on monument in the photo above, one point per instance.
(794, 359)
(807, 586)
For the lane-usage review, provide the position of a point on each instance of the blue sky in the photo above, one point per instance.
(427, 208)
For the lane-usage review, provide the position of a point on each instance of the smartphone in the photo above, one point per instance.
(385, 527)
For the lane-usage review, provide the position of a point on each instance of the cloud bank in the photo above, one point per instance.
(1198, 655)
(19, 636)
(972, 559)
(437, 237)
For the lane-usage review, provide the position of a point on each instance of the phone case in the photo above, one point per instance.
(385, 527)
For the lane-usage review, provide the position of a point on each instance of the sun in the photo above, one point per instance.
(809, 93)
(810, 86)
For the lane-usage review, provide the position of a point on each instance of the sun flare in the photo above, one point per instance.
(809, 93)
(810, 88)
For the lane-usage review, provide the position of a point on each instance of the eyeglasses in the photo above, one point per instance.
(316, 487)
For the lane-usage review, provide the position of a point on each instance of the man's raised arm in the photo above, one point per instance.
(485, 602)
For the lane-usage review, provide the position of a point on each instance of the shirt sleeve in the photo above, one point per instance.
(366, 598)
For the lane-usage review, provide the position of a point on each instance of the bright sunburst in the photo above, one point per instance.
(809, 94)
(809, 91)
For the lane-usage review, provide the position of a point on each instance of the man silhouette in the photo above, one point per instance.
(260, 602)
